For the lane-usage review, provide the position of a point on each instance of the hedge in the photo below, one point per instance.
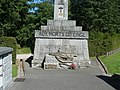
(9, 42)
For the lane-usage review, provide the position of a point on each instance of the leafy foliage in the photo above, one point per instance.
(7, 17)
(33, 21)
(96, 15)
(9, 42)
(17, 22)
(100, 17)
(99, 43)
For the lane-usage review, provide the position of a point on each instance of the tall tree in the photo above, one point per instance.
(96, 15)
(22, 28)
(33, 21)
(101, 18)
(8, 17)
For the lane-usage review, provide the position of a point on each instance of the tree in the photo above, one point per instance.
(33, 21)
(22, 25)
(101, 18)
(8, 17)
(96, 15)
(17, 22)
(45, 12)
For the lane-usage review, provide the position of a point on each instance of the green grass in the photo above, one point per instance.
(92, 58)
(25, 50)
(14, 70)
(112, 63)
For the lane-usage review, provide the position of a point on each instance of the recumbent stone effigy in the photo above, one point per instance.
(61, 42)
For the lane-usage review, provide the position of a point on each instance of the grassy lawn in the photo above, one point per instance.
(112, 63)
(14, 70)
(25, 50)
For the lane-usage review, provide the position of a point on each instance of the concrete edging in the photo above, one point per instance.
(102, 64)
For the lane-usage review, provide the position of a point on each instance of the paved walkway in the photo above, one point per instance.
(82, 79)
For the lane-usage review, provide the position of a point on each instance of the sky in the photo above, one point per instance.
(32, 10)
(34, 1)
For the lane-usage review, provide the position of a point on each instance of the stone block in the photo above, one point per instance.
(50, 66)
(85, 63)
(51, 62)
(79, 28)
(61, 23)
(50, 59)
(57, 11)
(43, 27)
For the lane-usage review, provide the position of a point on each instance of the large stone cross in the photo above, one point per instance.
(61, 10)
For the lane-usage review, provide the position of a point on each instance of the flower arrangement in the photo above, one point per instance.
(73, 66)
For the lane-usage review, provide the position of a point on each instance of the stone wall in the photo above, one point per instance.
(5, 67)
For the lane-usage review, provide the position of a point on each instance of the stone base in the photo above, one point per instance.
(84, 63)
(80, 64)
(51, 65)
(36, 64)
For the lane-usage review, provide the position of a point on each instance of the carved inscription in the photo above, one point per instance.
(61, 34)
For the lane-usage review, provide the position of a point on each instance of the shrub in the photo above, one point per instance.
(100, 43)
(9, 42)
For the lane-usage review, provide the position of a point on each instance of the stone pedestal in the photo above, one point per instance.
(63, 36)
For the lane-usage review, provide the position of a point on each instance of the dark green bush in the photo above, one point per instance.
(101, 43)
(9, 42)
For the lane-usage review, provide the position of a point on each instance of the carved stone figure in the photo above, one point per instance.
(63, 57)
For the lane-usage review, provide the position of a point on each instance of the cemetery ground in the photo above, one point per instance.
(24, 50)
(14, 70)
(112, 63)
(92, 78)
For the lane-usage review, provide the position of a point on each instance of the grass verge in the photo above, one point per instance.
(112, 63)
(25, 50)
(14, 70)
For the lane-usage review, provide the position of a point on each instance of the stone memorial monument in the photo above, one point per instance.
(61, 43)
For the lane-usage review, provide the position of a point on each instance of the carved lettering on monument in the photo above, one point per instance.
(61, 34)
